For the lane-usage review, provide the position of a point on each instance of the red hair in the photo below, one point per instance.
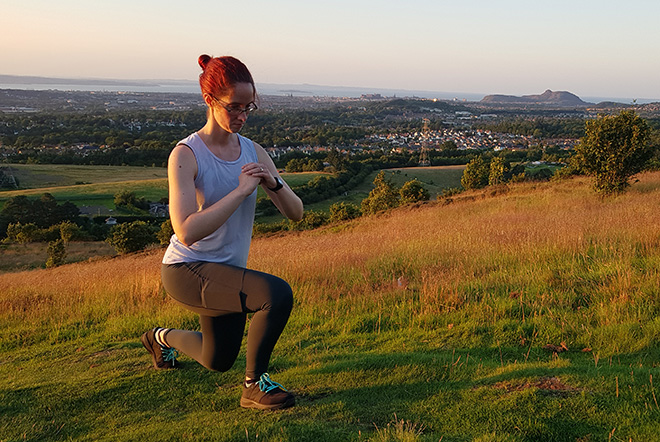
(219, 74)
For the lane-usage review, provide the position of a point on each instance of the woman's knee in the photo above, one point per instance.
(267, 292)
(281, 295)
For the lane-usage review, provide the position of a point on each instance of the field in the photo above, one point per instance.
(94, 195)
(520, 313)
(92, 188)
(17, 257)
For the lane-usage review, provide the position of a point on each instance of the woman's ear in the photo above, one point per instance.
(208, 99)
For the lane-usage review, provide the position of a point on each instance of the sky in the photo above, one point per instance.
(592, 48)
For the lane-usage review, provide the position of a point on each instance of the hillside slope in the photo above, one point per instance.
(528, 312)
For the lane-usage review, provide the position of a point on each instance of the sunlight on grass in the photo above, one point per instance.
(528, 312)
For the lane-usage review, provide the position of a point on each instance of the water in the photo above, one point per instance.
(299, 90)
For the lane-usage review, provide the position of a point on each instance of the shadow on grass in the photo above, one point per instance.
(460, 398)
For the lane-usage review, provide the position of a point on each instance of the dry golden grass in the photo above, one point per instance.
(543, 240)
(557, 245)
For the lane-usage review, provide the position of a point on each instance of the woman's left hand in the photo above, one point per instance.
(261, 171)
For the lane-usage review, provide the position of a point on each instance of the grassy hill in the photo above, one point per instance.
(94, 187)
(520, 313)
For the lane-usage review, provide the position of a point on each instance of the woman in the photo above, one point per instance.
(213, 178)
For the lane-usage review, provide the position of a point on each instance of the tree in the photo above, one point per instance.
(43, 212)
(165, 233)
(131, 237)
(614, 149)
(384, 196)
(498, 169)
(23, 233)
(68, 230)
(343, 212)
(413, 191)
(310, 220)
(476, 174)
(56, 253)
(130, 201)
(295, 165)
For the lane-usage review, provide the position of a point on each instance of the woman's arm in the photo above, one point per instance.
(189, 223)
(286, 201)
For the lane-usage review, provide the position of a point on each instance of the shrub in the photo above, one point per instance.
(23, 233)
(131, 237)
(614, 149)
(476, 174)
(56, 253)
(310, 220)
(343, 212)
(384, 196)
(165, 233)
(413, 191)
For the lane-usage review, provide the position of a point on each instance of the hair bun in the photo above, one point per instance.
(203, 61)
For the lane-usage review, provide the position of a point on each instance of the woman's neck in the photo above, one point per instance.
(220, 142)
(216, 135)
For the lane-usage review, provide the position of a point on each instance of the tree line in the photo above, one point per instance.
(145, 137)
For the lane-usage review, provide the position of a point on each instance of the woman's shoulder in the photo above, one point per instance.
(191, 140)
(253, 147)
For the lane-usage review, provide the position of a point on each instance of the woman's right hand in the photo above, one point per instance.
(247, 183)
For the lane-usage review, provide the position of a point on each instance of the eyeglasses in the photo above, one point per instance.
(236, 110)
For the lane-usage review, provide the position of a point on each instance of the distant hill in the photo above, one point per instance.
(21, 79)
(561, 98)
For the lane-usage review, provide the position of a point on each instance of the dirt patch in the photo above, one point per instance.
(549, 384)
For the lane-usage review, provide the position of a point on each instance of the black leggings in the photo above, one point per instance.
(222, 295)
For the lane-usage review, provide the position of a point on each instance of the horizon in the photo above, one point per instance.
(510, 47)
(192, 86)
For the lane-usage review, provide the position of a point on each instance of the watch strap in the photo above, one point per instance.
(278, 186)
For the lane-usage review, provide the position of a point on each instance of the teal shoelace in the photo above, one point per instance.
(169, 354)
(266, 384)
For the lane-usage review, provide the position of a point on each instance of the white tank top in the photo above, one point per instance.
(229, 244)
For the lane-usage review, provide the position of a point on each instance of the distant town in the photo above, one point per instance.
(286, 123)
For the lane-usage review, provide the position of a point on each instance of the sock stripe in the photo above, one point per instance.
(160, 336)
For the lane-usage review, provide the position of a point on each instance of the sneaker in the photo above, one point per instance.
(266, 395)
(163, 357)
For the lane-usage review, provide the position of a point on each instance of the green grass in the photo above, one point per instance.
(34, 176)
(434, 179)
(428, 323)
(101, 183)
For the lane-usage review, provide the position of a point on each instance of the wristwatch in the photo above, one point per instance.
(278, 186)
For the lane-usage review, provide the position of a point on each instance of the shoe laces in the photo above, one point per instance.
(266, 384)
(169, 354)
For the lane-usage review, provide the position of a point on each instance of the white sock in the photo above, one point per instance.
(160, 336)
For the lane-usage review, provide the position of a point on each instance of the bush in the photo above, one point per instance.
(129, 201)
(614, 149)
(23, 233)
(384, 196)
(165, 233)
(131, 237)
(310, 220)
(56, 253)
(343, 212)
(476, 174)
(413, 192)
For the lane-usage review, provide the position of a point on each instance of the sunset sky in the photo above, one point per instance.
(593, 48)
